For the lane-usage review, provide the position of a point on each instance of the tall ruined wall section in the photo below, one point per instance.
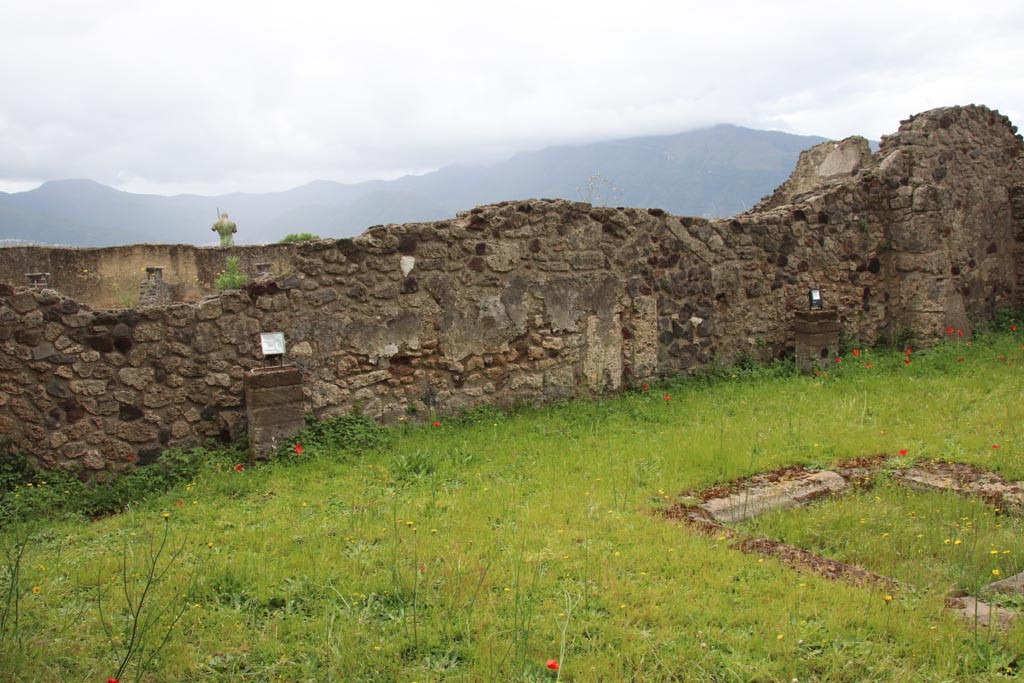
(955, 228)
(533, 301)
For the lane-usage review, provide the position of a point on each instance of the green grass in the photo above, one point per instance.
(478, 550)
(935, 541)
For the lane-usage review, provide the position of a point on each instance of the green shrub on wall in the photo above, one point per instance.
(231, 277)
(299, 237)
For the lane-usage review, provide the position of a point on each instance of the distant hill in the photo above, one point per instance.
(717, 171)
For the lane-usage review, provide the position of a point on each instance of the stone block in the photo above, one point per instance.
(275, 408)
(273, 396)
(43, 351)
(784, 493)
(136, 432)
(208, 309)
(23, 302)
(137, 378)
(265, 378)
(816, 336)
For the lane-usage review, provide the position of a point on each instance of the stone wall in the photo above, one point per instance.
(534, 301)
(111, 277)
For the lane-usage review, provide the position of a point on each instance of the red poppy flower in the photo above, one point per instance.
(839, 359)
(906, 361)
(867, 365)
(903, 451)
(437, 424)
(908, 352)
(1013, 328)
(995, 445)
(551, 664)
(644, 387)
(181, 502)
(959, 333)
(856, 352)
(112, 680)
(667, 397)
(298, 449)
(239, 468)
(949, 330)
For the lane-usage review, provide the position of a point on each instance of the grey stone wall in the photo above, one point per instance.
(533, 301)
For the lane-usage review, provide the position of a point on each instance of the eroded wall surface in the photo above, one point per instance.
(535, 301)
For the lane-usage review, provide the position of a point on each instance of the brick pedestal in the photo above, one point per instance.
(275, 407)
(817, 339)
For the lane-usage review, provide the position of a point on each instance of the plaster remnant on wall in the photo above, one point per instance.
(406, 264)
(560, 302)
(376, 340)
(602, 361)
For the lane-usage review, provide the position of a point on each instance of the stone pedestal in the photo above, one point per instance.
(275, 407)
(817, 339)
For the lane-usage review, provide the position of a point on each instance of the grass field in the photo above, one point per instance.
(480, 549)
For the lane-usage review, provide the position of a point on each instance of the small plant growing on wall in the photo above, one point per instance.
(231, 277)
(299, 237)
(599, 191)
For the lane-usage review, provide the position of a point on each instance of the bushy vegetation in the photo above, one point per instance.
(232, 276)
(299, 237)
(480, 548)
(28, 493)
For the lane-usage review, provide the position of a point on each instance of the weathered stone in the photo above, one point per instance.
(301, 350)
(78, 320)
(218, 379)
(22, 302)
(88, 387)
(92, 460)
(101, 342)
(137, 378)
(43, 351)
(148, 333)
(32, 319)
(58, 388)
(129, 413)
(136, 432)
(762, 497)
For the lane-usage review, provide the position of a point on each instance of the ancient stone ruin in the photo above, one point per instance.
(530, 300)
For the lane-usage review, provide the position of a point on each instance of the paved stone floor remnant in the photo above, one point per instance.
(761, 496)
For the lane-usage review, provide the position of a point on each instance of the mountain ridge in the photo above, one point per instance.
(718, 171)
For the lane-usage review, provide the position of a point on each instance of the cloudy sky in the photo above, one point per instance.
(211, 97)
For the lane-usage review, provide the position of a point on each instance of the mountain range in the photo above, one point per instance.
(718, 171)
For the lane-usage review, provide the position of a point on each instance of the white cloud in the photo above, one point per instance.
(219, 96)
